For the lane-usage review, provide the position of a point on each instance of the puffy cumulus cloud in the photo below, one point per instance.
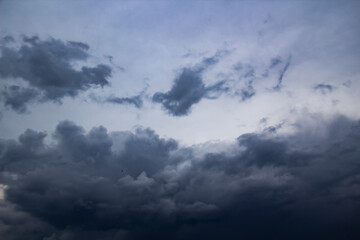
(136, 185)
(189, 88)
(46, 66)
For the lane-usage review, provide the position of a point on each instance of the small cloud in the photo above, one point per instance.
(111, 61)
(324, 88)
(135, 100)
(188, 88)
(278, 86)
(238, 66)
(275, 61)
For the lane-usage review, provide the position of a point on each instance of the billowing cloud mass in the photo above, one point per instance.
(135, 185)
(181, 120)
(188, 88)
(46, 66)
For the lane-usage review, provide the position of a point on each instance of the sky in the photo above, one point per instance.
(179, 119)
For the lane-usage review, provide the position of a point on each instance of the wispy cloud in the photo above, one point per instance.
(282, 72)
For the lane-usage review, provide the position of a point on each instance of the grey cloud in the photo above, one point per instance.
(189, 88)
(135, 100)
(33, 140)
(46, 66)
(238, 66)
(275, 61)
(324, 88)
(146, 151)
(273, 129)
(282, 72)
(110, 58)
(347, 83)
(7, 39)
(250, 73)
(276, 187)
(15, 224)
(92, 147)
(247, 92)
(17, 97)
(80, 45)
(24, 154)
(215, 90)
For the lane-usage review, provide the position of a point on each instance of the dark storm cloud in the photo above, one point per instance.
(324, 88)
(17, 97)
(98, 185)
(136, 185)
(16, 225)
(46, 66)
(145, 151)
(189, 88)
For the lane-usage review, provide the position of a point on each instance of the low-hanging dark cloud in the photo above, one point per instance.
(136, 185)
(46, 66)
(188, 88)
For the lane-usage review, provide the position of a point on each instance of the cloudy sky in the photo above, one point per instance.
(179, 120)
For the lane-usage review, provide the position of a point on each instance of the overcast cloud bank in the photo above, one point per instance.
(139, 185)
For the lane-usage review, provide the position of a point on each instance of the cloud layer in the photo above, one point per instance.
(136, 185)
(257, 140)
